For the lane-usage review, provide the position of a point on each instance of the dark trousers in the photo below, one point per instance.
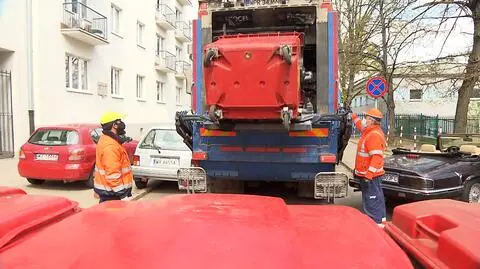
(373, 200)
(104, 198)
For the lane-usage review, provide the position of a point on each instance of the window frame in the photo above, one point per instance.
(160, 91)
(178, 95)
(115, 91)
(140, 34)
(415, 99)
(116, 15)
(82, 76)
(140, 87)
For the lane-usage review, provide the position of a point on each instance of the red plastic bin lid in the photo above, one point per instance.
(7, 191)
(22, 213)
(439, 233)
(209, 231)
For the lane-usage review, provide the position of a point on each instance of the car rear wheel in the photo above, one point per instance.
(472, 192)
(35, 181)
(89, 182)
(141, 184)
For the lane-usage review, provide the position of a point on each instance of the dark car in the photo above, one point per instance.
(451, 169)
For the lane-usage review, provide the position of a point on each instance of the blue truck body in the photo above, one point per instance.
(263, 154)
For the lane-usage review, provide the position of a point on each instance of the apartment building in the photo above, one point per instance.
(89, 56)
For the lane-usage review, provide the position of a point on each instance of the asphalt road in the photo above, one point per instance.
(157, 190)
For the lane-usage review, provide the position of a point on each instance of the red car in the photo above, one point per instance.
(64, 152)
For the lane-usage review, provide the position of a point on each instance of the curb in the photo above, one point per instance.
(141, 194)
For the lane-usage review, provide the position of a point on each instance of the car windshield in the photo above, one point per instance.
(163, 139)
(55, 137)
(459, 140)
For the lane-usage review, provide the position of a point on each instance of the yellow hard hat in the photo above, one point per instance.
(110, 116)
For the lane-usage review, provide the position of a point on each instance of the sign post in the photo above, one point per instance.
(376, 88)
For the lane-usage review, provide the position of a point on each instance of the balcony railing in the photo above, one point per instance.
(183, 31)
(182, 67)
(165, 14)
(78, 15)
(184, 2)
(165, 60)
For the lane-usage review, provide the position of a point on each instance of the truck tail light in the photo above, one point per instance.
(330, 158)
(77, 155)
(21, 155)
(136, 160)
(199, 156)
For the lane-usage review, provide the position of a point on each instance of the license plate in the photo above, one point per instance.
(165, 162)
(46, 157)
(390, 178)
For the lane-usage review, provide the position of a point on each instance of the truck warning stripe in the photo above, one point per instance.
(315, 132)
(206, 132)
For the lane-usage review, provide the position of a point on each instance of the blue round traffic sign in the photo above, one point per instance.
(377, 87)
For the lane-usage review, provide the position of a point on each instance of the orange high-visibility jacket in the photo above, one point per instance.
(113, 173)
(369, 159)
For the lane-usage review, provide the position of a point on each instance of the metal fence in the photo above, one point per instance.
(426, 126)
(6, 116)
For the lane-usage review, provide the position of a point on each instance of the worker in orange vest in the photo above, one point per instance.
(369, 164)
(113, 173)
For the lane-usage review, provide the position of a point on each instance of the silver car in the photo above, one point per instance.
(159, 154)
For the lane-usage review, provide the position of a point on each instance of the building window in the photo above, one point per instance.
(475, 93)
(140, 31)
(76, 73)
(160, 44)
(116, 19)
(415, 95)
(179, 95)
(140, 80)
(160, 92)
(178, 15)
(115, 81)
(178, 51)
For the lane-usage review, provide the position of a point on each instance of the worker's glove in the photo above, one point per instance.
(125, 139)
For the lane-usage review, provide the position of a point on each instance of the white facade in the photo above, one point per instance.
(119, 56)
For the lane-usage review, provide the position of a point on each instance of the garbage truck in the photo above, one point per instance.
(266, 106)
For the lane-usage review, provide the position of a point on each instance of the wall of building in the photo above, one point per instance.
(53, 102)
(13, 57)
(56, 104)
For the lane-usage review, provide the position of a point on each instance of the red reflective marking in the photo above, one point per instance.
(295, 150)
(254, 149)
(199, 156)
(328, 159)
(231, 149)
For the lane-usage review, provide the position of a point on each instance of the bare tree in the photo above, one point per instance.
(456, 10)
(357, 27)
(399, 29)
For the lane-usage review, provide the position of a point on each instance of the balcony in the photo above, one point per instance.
(183, 32)
(165, 61)
(165, 17)
(182, 69)
(184, 2)
(84, 24)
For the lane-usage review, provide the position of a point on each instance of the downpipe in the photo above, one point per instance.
(30, 93)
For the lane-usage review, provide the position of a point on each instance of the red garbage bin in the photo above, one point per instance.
(439, 233)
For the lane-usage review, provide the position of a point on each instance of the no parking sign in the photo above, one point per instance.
(377, 87)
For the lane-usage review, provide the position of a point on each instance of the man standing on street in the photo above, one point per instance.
(369, 164)
(113, 173)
